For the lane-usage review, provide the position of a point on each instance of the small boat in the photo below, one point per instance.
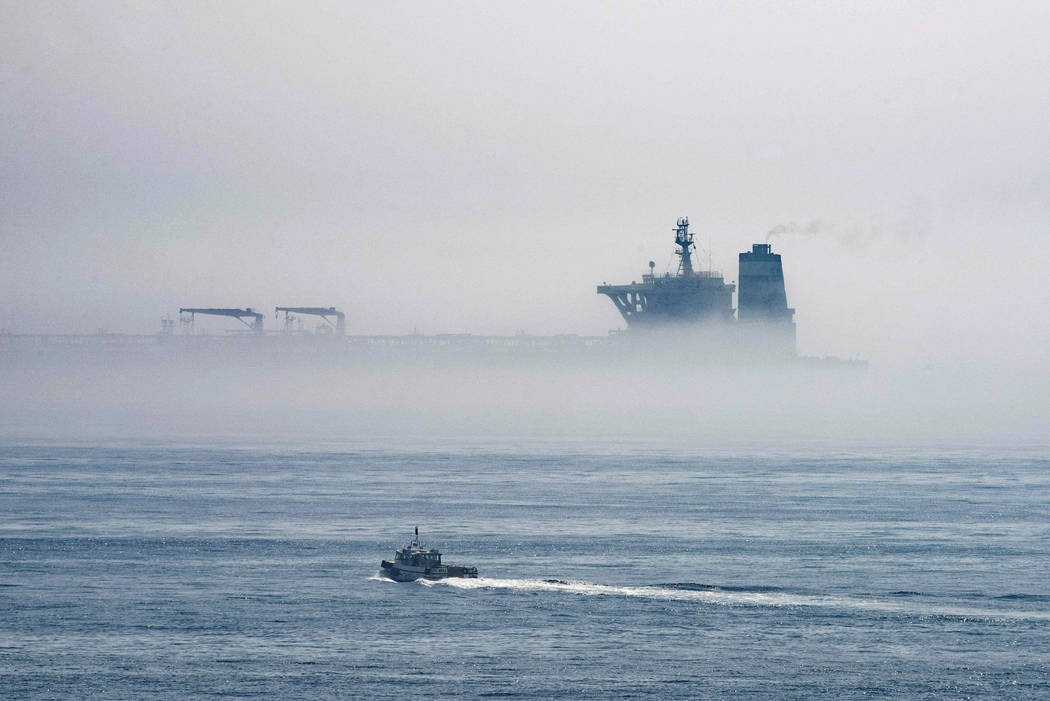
(414, 562)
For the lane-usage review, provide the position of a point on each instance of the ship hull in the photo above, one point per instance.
(409, 573)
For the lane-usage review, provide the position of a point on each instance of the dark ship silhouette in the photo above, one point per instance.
(702, 301)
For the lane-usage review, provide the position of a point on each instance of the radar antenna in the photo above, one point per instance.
(684, 240)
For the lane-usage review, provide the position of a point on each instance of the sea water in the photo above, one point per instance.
(181, 569)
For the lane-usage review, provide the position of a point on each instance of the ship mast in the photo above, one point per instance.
(684, 240)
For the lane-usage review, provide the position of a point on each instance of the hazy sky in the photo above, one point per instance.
(480, 167)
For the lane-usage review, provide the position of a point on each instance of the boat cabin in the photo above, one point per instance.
(418, 557)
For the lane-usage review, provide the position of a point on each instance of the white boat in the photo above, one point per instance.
(414, 562)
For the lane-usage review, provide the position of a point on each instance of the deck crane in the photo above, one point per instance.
(324, 312)
(256, 324)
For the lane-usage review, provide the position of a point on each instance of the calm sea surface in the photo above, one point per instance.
(180, 570)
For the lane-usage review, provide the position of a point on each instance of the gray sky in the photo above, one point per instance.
(479, 167)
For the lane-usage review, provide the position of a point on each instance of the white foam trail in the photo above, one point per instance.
(380, 577)
(734, 598)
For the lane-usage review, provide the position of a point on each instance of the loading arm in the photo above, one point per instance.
(323, 312)
(255, 325)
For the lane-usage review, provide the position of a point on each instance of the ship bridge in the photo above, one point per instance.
(689, 296)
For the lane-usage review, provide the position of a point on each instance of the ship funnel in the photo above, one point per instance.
(761, 298)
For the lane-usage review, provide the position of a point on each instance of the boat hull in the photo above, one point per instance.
(403, 573)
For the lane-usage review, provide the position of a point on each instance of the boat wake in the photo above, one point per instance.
(760, 597)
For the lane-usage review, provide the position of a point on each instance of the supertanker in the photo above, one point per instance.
(687, 315)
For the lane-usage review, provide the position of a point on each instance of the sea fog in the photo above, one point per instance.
(331, 393)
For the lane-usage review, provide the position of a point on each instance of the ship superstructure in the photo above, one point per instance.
(691, 299)
(687, 297)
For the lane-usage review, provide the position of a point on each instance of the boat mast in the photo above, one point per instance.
(684, 240)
